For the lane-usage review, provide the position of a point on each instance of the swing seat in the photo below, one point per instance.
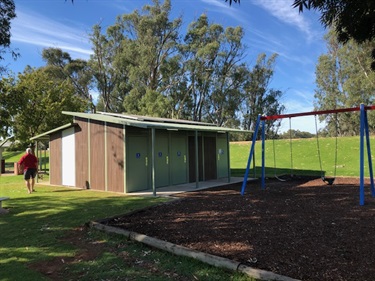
(329, 181)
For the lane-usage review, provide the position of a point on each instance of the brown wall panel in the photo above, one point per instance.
(82, 153)
(97, 155)
(115, 158)
(55, 159)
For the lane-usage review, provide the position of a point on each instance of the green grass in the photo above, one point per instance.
(14, 156)
(32, 231)
(305, 157)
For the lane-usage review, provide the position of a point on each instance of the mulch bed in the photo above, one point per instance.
(302, 228)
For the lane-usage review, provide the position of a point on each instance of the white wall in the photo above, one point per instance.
(68, 158)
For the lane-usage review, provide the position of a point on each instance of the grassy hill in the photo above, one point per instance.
(304, 158)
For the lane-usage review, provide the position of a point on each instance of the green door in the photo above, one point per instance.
(178, 165)
(137, 164)
(161, 160)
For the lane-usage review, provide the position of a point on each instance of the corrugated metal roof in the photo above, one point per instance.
(155, 123)
(141, 122)
(155, 119)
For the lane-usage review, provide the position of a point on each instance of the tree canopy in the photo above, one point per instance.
(143, 64)
(7, 13)
(351, 19)
(32, 103)
(344, 79)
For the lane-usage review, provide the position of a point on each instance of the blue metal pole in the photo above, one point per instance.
(369, 156)
(361, 156)
(263, 155)
(250, 156)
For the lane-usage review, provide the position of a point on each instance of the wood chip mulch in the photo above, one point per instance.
(301, 228)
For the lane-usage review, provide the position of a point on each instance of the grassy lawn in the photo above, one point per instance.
(33, 230)
(305, 158)
(12, 157)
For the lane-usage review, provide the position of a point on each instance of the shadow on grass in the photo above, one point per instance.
(68, 190)
(272, 172)
(35, 224)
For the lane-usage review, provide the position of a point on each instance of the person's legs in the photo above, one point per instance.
(33, 175)
(26, 176)
(32, 183)
(29, 190)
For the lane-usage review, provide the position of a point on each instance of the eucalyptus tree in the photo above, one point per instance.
(59, 64)
(152, 50)
(106, 74)
(344, 79)
(230, 76)
(259, 97)
(131, 61)
(351, 19)
(141, 66)
(7, 14)
(213, 68)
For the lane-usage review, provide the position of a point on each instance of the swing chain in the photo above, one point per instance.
(329, 181)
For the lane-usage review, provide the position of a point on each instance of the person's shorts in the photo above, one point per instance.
(29, 173)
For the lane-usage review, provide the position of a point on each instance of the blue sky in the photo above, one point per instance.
(271, 26)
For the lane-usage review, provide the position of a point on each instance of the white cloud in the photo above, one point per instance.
(35, 29)
(282, 10)
(216, 3)
(222, 7)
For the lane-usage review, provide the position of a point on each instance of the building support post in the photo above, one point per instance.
(228, 157)
(196, 160)
(153, 161)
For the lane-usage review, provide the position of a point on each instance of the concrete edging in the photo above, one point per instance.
(183, 251)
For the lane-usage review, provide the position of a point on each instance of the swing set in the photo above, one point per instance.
(328, 180)
(364, 133)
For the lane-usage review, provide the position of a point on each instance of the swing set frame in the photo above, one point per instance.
(364, 133)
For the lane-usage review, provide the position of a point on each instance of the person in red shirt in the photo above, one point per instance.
(30, 168)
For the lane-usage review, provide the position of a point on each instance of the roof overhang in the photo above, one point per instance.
(6, 142)
(141, 122)
(45, 136)
(149, 123)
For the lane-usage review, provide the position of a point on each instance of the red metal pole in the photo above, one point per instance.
(319, 112)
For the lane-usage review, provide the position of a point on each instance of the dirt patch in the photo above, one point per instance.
(88, 251)
(302, 228)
